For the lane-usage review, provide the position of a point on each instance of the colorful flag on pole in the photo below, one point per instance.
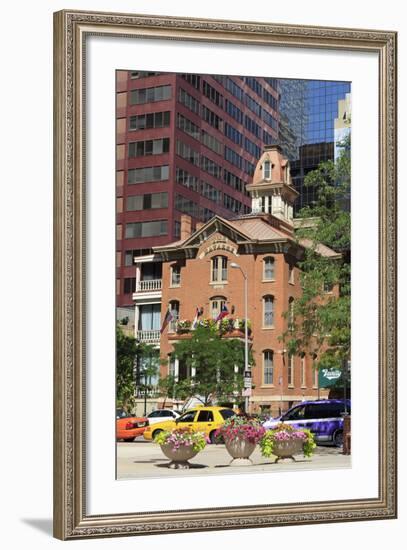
(223, 313)
(168, 317)
(198, 313)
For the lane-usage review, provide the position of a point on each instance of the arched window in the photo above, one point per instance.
(174, 309)
(219, 269)
(268, 311)
(268, 367)
(217, 304)
(267, 170)
(268, 268)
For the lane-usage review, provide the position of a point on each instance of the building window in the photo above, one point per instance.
(147, 95)
(219, 271)
(291, 314)
(193, 79)
(268, 368)
(177, 229)
(217, 304)
(149, 317)
(190, 102)
(147, 201)
(328, 287)
(149, 147)
(174, 309)
(187, 153)
(150, 120)
(175, 275)
(188, 126)
(268, 311)
(211, 142)
(212, 94)
(211, 167)
(267, 170)
(290, 371)
(150, 173)
(268, 269)
(129, 285)
(303, 371)
(211, 118)
(146, 229)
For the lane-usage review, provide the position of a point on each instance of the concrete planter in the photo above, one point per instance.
(287, 449)
(240, 450)
(179, 457)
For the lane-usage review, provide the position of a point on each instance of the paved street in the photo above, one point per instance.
(145, 459)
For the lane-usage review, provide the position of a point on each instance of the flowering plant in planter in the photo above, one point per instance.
(182, 437)
(240, 427)
(286, 433)
(226, 325)
(183, 325)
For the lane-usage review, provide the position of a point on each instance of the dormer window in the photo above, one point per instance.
(267, 170)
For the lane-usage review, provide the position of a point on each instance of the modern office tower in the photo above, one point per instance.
(186, 144)
(308, 131)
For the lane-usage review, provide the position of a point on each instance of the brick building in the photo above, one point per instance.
(197, 272)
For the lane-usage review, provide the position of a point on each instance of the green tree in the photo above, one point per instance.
(320, 319)
(214, 360)
(132, 357)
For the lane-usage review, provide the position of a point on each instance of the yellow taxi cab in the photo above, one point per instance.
(198, 419)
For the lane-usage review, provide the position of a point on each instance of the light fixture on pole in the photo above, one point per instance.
(246, 332)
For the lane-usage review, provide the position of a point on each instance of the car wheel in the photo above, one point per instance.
(212, 438)
(338, 439)
(129, 439)
(156, 433)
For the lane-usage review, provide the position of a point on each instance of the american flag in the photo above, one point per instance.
(198, 313)
(168, 317)
(223, 313)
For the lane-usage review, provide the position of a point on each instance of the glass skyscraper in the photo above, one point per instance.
(308, 109)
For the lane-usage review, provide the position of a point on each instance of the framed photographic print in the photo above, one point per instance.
(225, 318)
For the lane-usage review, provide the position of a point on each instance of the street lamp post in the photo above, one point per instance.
(246, 330)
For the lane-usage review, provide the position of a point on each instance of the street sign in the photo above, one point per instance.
(328, 377)
(247, 392)
(247, 374)
(248, 383)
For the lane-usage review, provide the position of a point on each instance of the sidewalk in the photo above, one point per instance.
(145, 460)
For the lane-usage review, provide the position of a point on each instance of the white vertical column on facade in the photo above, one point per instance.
(138, 276)
(176, 369)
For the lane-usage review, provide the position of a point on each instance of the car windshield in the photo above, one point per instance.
(187, 417)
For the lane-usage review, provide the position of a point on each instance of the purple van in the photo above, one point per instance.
(324, 418)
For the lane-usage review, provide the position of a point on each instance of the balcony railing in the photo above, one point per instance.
(149, 336)
(149, 285)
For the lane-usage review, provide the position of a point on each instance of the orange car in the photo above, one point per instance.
(128, 427)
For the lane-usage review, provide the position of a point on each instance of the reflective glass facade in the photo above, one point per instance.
(308, 109)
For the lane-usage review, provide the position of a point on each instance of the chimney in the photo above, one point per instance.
(186, 226)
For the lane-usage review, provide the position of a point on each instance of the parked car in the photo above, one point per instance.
(324, 418)
(128, 426)
(199, 419)
(161, 415)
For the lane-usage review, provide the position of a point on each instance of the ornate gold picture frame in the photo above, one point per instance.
(71, 517)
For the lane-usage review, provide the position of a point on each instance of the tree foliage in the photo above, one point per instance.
(214, 361)
(320, 320)
(132, 356)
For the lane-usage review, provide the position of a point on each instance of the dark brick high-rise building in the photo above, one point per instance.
(186, 144)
